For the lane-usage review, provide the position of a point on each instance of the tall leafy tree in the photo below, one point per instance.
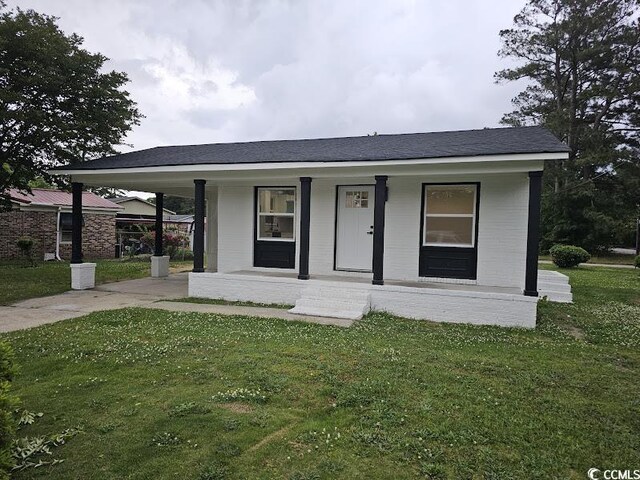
(581, 61)
(57, 103)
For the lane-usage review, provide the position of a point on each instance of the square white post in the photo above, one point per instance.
(160, 266)
(83, 276)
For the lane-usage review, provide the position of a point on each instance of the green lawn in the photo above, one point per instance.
(160, 395)
(18, 282)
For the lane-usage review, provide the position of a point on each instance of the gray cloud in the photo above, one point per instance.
(214, 71)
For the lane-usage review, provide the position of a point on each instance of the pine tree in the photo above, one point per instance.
(581, 59)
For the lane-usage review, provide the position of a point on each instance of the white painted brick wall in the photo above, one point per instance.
(212, 229)
(501, 237)
(439, 305)
(235, 228)
(502, 231)
(455, 307)
(243, 288)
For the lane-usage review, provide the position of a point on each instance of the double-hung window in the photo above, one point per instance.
(276, 214)
(450, 215)
(65, 227)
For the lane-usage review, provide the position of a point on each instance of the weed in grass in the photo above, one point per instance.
(25, 417)
(130, 412)
(36, 452)
(92, 382)
(241, 395)
(107, 427)
(331, 468)
(433, 471)
(97, 405)
(314, 440)
(166, 439)
(308, 475)
(188, 408)
(215, 471)
(260, 420)
(374, 438)
(231, 424)
(228, 450)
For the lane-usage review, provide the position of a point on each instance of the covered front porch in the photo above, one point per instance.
(249, 257)
(298, 262)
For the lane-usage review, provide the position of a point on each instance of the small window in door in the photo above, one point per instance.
(357, 199)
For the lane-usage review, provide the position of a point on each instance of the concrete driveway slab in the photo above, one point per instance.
(173, 286)
(75, 303)
(16, 318)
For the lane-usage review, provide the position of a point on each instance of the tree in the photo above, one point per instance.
(180, 205)
(581, 59)
(57, 105)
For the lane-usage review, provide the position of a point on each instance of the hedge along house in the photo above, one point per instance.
(440, 226)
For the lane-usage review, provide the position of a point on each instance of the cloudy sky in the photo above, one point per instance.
(232, 70)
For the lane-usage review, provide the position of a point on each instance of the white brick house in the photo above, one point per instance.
(440, 226)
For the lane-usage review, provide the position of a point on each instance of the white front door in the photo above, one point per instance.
(354, 228)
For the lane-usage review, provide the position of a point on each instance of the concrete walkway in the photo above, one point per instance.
(145, 292)
(262, 312)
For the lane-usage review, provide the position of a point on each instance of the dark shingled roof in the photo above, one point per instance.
(490, 141)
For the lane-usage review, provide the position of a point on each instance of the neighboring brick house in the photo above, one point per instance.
(45, 216)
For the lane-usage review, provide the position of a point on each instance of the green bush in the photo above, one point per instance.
(182, 254)
(637, 262)
(567, 256)
(25, 244)
(8, 404)
(171, 240)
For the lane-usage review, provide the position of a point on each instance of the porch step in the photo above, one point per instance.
(335, 302)
(550, 276)
(555, 286)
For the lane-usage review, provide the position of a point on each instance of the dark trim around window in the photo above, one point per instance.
(273, 254)
(446, 261)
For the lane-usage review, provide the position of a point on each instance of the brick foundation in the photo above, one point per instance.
(98, 234)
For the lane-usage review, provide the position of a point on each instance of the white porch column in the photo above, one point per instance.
(212, 229)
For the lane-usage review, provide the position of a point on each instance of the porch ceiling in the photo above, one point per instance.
(179, 180)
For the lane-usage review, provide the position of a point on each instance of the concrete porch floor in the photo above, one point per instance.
(144, 292)
(366, 279)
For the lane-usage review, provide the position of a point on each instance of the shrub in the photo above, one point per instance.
(141, 258)
(182, 254)
(637, 261)
(8, 404)
(25, 244)
(567, 256)
(172, 241)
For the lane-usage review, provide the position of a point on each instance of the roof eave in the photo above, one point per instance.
(506, 157)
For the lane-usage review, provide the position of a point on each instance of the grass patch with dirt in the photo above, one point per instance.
(156, 394)
(238, 303)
